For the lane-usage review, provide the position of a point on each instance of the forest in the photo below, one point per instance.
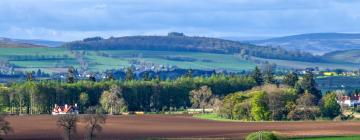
(39, 97)
(182, 43)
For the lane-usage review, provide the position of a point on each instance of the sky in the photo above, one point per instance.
(67, 20)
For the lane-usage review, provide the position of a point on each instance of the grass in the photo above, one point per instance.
(302, 65)
(120, 59)
(212, 116)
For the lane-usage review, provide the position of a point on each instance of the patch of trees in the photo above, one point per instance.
(39, 97)
(189, 44)
(294, 100)
(37, 57)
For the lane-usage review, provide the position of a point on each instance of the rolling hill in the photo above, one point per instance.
(350, 56)
(182, 43)
(9, 43)
(316, 43)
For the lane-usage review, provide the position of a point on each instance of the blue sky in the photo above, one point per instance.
(76, 19)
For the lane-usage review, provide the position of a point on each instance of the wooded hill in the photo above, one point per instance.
(180, 42)
(316, 43)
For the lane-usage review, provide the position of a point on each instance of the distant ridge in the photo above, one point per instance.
(40, 42)
(316, 43)
(9, 43)
(180, 42)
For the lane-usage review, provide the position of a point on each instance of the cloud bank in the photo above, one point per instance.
(77, 19)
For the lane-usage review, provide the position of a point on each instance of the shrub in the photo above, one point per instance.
(261, 135)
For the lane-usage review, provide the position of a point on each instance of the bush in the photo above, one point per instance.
(261, 135)
(310, 113)
(342, 117)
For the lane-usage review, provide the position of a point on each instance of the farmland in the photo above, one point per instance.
(178, 126)
(58, 59)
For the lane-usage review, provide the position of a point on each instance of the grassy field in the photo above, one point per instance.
(322, 66)
(211, 116)
(119, 59)
(116, 59)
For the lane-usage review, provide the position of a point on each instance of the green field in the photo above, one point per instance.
(302, 65)
(119, 59)
(25, 59)
(211, 116)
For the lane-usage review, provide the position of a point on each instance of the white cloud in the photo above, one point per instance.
(67, 19)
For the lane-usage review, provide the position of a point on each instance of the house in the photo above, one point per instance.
(66, 109)
(351, 101)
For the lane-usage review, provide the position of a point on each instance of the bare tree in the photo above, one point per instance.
(4, 126)
(200, 97)
(93, 122)
(68, 123)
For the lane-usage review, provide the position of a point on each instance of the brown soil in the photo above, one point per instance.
(166, 126)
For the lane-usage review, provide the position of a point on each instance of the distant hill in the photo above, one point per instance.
(350, 56)
(316, 43)
(9, 43)
(47, 43)
(180, 42)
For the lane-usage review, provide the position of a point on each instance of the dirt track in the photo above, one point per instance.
(155, 126)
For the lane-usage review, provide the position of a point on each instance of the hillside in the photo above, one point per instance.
(316, 43)
(9, 43)
(350, 56)
(46, 43)
(180, 42)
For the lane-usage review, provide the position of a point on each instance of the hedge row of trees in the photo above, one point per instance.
(138, 95)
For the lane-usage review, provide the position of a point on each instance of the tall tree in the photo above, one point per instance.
(329, 106)
(260, 110)
(257, 76)
(146, 76)
(269, 74)
(84, 100)
(112, 100)
(308, 84)
(189, 73)
(200, 97)
(71, 75)
(290, 79)
(129, 74)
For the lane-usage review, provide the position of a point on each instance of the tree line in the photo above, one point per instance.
(39, 97)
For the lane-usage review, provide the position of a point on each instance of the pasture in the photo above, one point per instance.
(54, 59)
(58, 59)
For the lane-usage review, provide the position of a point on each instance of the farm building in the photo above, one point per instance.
(350, 101)
(66, 109)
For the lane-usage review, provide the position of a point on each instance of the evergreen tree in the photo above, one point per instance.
(269, 74)
(308, 84)
(129, 74)
(257, 75)
(290, 79)
(92, 78)
(71, 75)
(146, 76)
(189, 73)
